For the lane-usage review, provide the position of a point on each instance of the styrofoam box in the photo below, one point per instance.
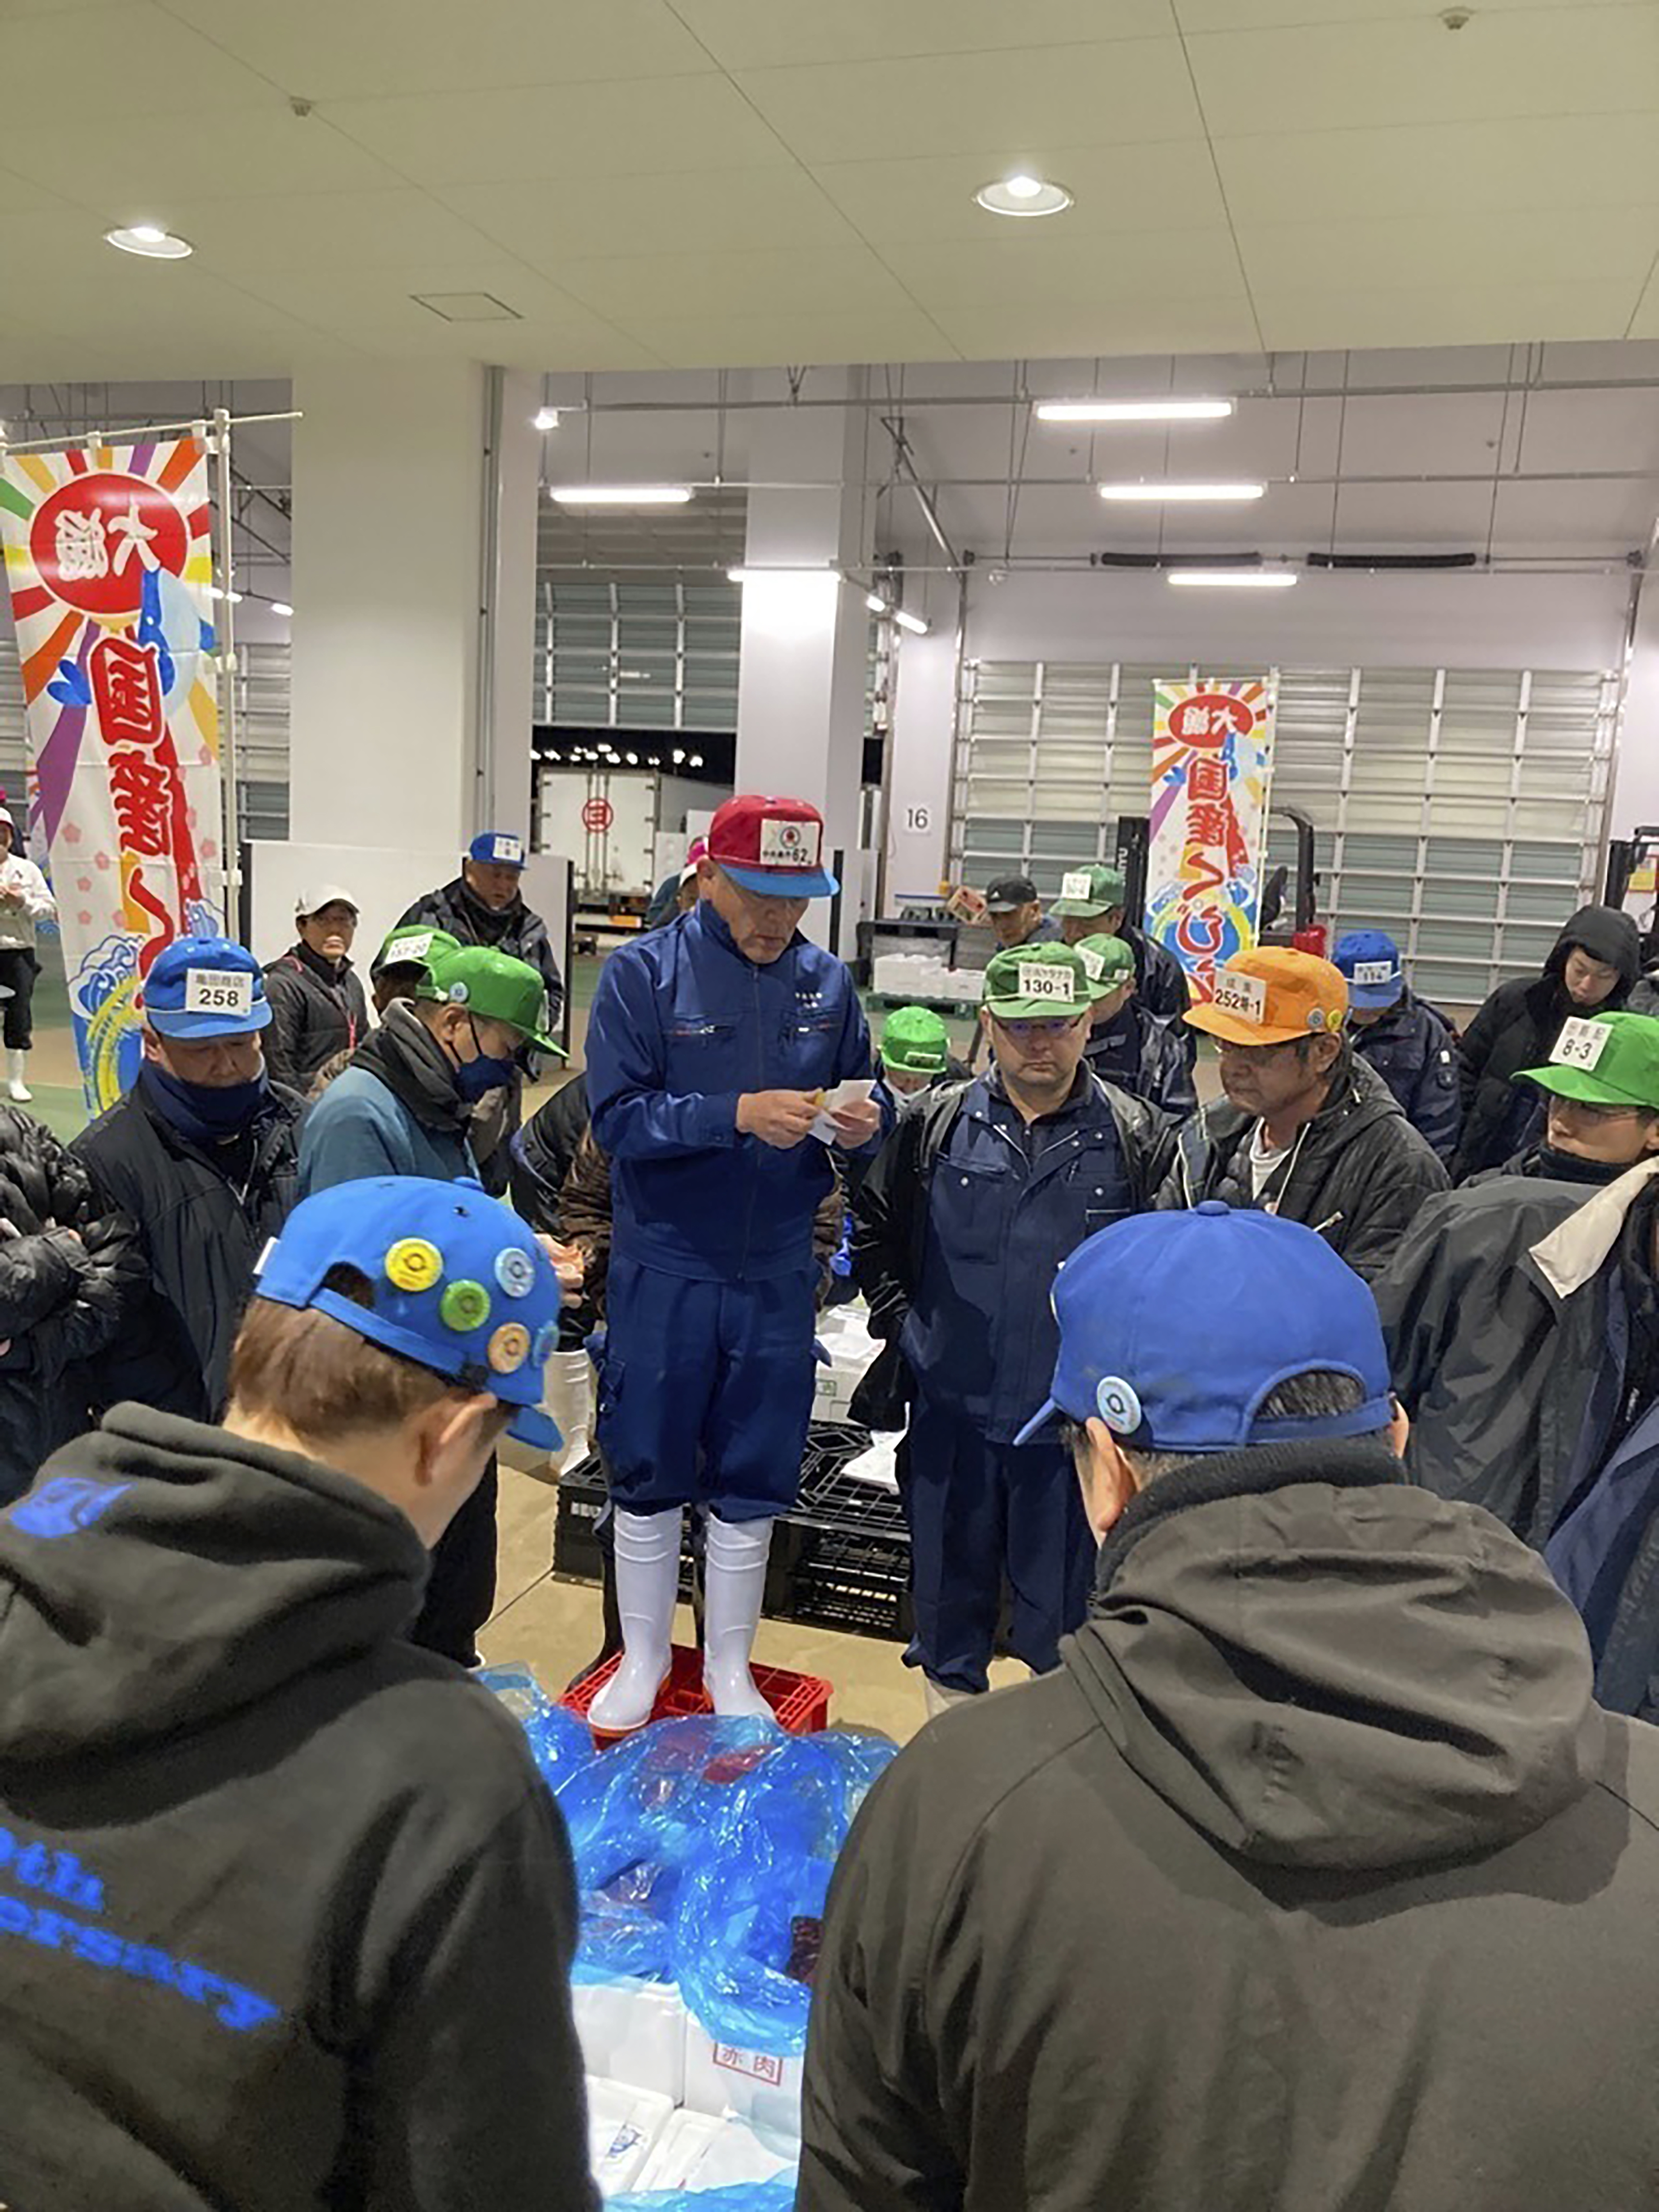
(624, 2126)
(697, 2152)
(633, 2033)
(726, 2082)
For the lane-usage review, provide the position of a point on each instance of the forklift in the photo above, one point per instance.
(1289, 896)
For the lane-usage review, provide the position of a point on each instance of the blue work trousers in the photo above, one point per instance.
(705, 1391)
(979, 1513)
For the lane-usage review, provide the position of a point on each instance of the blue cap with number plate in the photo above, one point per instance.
(203, 988)
(455, 1282)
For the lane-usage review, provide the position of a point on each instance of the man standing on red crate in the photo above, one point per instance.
(710, 1047)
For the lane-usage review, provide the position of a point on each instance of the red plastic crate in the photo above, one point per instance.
(800, 1702)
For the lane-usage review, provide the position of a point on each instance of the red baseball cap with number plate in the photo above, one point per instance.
(772, 846)
(1272, 996)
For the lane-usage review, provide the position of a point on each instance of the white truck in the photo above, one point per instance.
(612, 820)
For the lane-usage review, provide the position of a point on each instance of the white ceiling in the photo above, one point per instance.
(681, 183)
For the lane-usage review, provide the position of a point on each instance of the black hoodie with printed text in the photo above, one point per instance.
(286, 1915)
(1311, 1881)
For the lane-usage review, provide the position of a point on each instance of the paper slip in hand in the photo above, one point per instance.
(855, 1091)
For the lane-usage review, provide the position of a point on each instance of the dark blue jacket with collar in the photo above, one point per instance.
(682, 1025)
(965, 1219)
(1415, 1051)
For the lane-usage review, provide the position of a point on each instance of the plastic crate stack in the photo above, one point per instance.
(841, 1559)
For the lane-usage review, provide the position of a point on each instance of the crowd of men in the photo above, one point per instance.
(1303, 1444)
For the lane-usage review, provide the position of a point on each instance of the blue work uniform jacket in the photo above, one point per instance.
(682, 1025)
(1414, 1052)
(1005, 1204)
(1142, 1056)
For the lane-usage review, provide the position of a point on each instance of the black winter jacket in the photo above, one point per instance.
(201, 1223)
(1517, 1028)
(1289, 1889)
(1358, 1176)
(1511, 1341)
(515, 931)
(317, 1010)
(69, 1267)
(1145, 1057)
(544, 1151)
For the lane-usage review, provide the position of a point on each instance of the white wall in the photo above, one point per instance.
(1635, 778)
(1346, 621)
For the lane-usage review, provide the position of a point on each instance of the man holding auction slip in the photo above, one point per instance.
(725, 1056)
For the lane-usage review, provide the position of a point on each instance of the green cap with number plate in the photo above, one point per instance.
(413, 946)
(1109, 964)
(1604, 1060)
(1036, 983)
(1088, 892)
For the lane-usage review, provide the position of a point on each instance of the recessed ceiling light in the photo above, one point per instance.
(214, 592)
(876, 603)
(914, 624)
(619, 494)
(1132, 410)
(1159, 493)
(1022, 194)
(544, 418)
(1234, 580)
(150, 240)
(280, 607)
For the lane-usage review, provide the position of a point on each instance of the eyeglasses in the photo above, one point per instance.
(1024, 1031)
(1583, 1108)
(1256, 1055)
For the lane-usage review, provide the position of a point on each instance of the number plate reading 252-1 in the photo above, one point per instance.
(1244, 995)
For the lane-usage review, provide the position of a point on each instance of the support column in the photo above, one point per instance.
(924, 728)
(803, 675)
(414, 606)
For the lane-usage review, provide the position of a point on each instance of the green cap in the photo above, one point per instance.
(496, 986)
(1037, 982)
(1084, 892)
(1606, 1059)
(914, 1041)
(1108, 963)
(409, 947)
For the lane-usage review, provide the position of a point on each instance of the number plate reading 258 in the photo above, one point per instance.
(211, 991)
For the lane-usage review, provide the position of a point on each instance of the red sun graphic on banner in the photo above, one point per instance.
(1209, 717)
(97, 538)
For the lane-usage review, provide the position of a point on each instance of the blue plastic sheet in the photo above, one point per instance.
(637, 1813)
(750, 1898)
(777, 2195)
(560, 1743)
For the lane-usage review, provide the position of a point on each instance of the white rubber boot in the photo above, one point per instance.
(733, 1585)
(17, 1064)
(938, 1699)
(569, 1399)
(647, 1588)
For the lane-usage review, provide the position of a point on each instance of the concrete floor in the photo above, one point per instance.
(554, 1627)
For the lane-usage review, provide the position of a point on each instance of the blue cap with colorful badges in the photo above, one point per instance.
(1370, 959)
(496, 848)
(459, 1283)
(1175, 1328)
(202, 987)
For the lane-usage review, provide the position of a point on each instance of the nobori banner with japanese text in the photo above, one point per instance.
(1213, 751)
(108, 557)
